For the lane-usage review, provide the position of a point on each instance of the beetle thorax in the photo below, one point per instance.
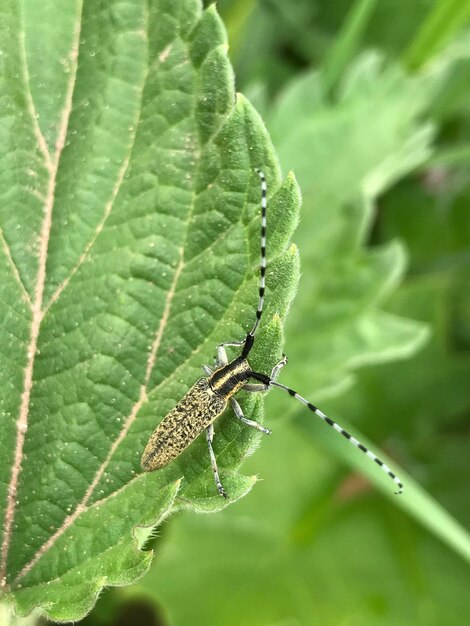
(230, 378)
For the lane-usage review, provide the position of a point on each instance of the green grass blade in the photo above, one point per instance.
(346, 44)
(443, 21)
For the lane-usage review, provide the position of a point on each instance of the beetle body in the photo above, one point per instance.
(199, 407)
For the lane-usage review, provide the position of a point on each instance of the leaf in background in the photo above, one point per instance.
(346, 153)
(275, 41)
(130, 238)
(426, 397)
(430, 401)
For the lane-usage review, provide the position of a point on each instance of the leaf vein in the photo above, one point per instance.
(14, 269)
(22, 421)
(40, 139)
(82, 506)
(107, 212)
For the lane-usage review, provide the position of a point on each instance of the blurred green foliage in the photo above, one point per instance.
(313, 543)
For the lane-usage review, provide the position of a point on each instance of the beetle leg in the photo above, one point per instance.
(210, 436)
(222, 358)
(239, 413)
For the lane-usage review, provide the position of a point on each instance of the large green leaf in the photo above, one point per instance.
(130, 239)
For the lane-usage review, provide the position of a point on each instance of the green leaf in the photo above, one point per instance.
(346, 152)
(130, 239)
(427, 399)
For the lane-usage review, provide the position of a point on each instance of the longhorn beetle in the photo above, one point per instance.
(208, 397)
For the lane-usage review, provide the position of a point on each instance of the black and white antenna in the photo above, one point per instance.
(262, 269)
(269, 381)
